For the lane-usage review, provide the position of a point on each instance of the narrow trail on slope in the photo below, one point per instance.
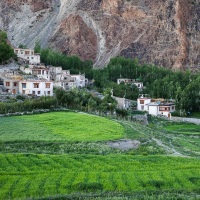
(169, 150)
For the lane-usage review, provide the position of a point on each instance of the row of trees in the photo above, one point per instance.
(6, 51)
(28, 105)
(86, 101)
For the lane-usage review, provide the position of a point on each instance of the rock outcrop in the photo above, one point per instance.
(163, 32)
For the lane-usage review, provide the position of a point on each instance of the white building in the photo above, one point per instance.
(142, 103)
(40, 71)
(126, 81)
(57, 74)
(11, 85)
(65, 84)
(80, 80)
(28, 54)
(158, 108)
(36, 87)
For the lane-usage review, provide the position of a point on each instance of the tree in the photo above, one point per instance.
(37, 47)
(6, 52)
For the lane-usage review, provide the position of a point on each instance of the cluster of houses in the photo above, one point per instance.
(156, 107)
(36, 79)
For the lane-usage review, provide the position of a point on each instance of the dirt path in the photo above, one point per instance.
(148, 132)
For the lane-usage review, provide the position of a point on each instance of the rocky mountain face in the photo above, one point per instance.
(163, 32)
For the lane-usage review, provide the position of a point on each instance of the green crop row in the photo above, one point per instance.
(29, 175)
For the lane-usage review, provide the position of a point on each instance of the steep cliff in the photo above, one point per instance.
(163, 32)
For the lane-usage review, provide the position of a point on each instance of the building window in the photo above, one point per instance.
(15, 84)
(39, 71)
(142, 107)
(38, 92)
(23, 92)
(48, 92)
(7, 84)
(47, 85)
(172, 107)
(33, 92)
(141, 101)
(23, 85)
(163, 109)
(36, 85)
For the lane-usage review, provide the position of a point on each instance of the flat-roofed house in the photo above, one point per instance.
(40, 71)
(142, 102)
(126, 81)
(29, 55)
(36, 87)
(161, 108)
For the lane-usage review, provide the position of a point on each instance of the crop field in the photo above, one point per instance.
(183, 128)
(25, 176)
(65, 155)
(60, 126)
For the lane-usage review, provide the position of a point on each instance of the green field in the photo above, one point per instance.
(183, 128)
(25, 176)
(65, 155)
(60, 126)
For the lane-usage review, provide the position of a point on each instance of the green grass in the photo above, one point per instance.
(183, 128)
(30, 176)
(195, 115)
(59, 126)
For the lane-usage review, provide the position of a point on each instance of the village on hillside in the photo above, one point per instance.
(33, 79)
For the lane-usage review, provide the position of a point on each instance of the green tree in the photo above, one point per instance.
(6, 52)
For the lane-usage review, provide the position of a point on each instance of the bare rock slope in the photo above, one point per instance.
(163, 32)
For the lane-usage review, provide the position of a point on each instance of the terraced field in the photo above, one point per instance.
(55, 156)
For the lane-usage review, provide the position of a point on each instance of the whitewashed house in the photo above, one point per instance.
(126, 81)
(28, 54)
(158, 108)
(36, 87)
(57, 74)
(40, 71)
(80, 80)
(142, 103)
(11, 85)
